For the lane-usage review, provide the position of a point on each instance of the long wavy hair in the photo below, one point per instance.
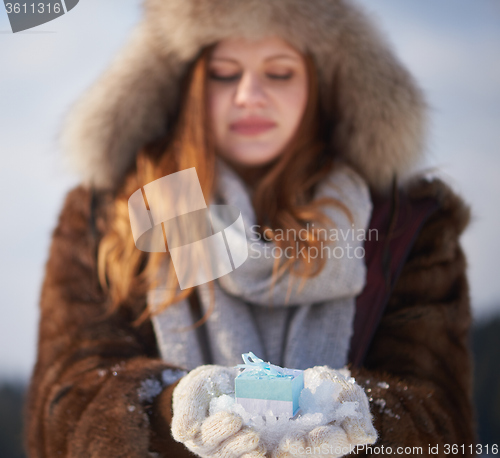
(282, 196)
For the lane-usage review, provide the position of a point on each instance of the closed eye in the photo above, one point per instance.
(230, 78)
(224, 78)
(286, 76)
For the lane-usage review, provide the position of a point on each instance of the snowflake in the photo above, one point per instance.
(381, 403)
(170, 376)
(149, 389)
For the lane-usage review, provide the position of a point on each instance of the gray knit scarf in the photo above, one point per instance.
(307, 327)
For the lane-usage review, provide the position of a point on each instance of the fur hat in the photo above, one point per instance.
(377, 112)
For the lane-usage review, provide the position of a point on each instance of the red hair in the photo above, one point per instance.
(282, 199)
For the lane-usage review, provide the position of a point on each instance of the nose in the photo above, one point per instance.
(250, 92)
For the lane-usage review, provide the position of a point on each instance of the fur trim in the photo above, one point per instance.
(377, 112)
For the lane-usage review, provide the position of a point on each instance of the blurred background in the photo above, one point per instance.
(452, 47)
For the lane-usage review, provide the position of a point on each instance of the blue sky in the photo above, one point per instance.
(451, 47)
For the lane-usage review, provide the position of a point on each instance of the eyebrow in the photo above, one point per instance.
(277, 56)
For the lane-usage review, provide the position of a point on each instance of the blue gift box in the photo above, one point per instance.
(263, 386)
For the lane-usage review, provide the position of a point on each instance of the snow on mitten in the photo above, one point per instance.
(359, 430)
(218, 435)
(333, 439)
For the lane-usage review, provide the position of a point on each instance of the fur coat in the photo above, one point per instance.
(97, 388)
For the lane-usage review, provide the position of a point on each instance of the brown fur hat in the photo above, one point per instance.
(377, 112)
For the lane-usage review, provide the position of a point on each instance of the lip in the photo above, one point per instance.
(252, 126)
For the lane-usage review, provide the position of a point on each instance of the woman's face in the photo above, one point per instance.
(257, 93)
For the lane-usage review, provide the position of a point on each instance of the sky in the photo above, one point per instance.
(451, 47)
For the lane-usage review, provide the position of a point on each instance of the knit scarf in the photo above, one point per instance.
(289, 326)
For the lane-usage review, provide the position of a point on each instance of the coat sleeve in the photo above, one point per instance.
(418, 369)
(98, 388)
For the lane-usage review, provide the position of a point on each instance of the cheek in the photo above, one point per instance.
(293, 103)
(218, 109)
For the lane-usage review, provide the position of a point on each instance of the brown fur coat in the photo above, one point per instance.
(84, 398)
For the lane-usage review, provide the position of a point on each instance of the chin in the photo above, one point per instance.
(255, 157)
(253, 161)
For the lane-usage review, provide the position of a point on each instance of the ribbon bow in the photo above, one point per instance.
(256, 366)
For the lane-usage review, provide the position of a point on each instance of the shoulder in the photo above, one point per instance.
(435, 269)
(82, 220)
(452, 206)
(82, 210)
(439, 236)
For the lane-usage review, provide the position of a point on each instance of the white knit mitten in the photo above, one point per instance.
(338, 437)
(220, 435)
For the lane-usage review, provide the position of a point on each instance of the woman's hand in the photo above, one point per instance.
(338, 437)
(220, 435)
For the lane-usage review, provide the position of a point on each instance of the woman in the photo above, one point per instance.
(336, 107)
